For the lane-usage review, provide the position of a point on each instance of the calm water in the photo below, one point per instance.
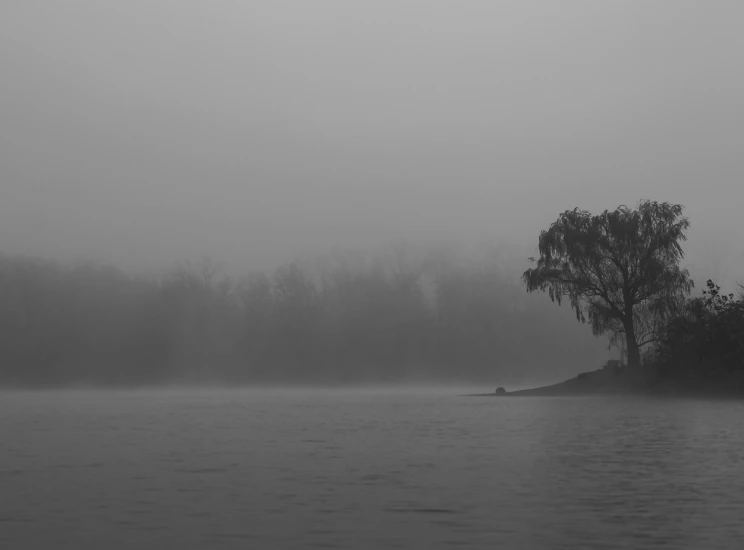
(367, 470)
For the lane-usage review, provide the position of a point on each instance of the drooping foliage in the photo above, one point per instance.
(620, 270)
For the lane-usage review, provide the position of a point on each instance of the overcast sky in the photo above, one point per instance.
(146, 131)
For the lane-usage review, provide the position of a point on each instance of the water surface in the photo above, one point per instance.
(367, 470)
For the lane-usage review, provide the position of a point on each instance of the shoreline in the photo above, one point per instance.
(608, 383)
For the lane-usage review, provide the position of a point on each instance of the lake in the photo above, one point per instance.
(367, 469)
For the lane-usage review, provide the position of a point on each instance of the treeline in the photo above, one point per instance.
(401, 313)
(702, 349)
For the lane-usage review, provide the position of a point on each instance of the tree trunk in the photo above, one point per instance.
(634, 354)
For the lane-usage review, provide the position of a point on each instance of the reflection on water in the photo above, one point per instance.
(344, 469)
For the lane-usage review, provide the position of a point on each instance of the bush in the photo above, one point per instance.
(704, 347)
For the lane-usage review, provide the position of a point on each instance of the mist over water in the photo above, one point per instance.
(252, 255)
(367, 469)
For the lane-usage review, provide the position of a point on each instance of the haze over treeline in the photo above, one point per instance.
(398, 313)
(137, 134)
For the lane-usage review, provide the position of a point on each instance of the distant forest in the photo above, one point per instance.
(397, 314)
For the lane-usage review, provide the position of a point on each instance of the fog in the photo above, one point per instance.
(262, 274)
(148, 132)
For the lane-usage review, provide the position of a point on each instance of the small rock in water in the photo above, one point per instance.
(500, 390)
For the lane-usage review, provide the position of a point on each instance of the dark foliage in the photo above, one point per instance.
(703, 348)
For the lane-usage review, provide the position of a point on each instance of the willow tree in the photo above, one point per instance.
(619, 270)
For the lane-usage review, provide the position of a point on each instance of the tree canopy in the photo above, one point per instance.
(620, 270)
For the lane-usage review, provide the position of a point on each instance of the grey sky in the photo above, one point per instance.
(146, 131)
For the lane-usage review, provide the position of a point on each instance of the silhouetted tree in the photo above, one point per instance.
(619, 270)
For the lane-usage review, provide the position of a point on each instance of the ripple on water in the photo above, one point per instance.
(332, 470)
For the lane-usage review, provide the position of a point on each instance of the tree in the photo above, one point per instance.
(619, 270)
(202, 313)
